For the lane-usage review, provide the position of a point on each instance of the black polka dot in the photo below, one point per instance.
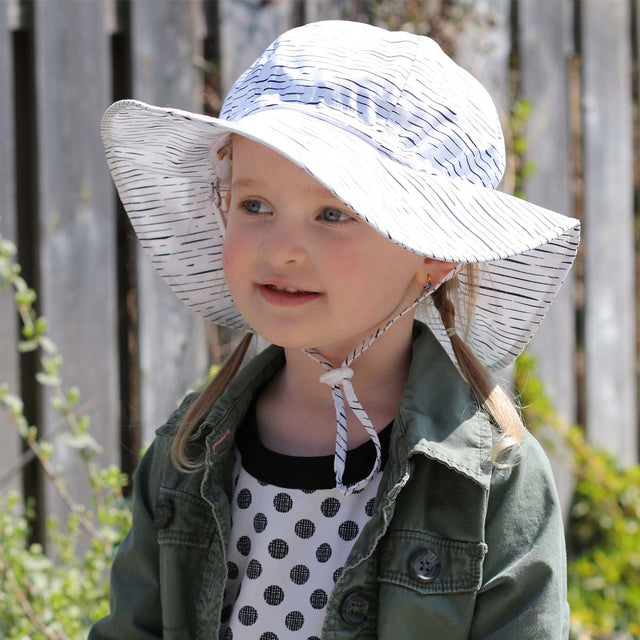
(318, 599)
(259, 522)
(305, 528)
(336, 574)
(262, 483)
(226, 613)
(278, 548)
(299, 574)
(368, 508)
(273, 595)
(294, 621)
(254, 569)
(313, 638)
(243, 499)
(308, 491)
(232, 570)
(228, 634)
(330, 507)
(244, 545)
(247, 616)
(323, 552)
(348, 530)
(268, 635)
(282, 502)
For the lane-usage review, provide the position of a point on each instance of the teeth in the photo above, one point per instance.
(286, 289)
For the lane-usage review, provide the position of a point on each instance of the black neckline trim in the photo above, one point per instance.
(303, 472)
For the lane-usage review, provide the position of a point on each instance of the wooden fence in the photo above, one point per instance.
(128, 343)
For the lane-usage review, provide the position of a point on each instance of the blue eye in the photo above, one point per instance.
(329, 214)
(255, 206)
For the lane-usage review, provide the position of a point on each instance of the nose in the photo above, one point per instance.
(284, 244)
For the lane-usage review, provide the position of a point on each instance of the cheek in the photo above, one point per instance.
(232, 258)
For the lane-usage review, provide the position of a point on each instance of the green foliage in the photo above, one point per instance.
(59, 594)
(523, 169)
(604, 531)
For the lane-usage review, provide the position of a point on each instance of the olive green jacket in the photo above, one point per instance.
(455, 549)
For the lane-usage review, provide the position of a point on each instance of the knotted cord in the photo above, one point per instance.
(339, 379)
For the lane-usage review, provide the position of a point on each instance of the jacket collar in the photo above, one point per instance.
(438, 417)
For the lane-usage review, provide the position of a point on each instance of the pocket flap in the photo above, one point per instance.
(183, 519)
(427, 564)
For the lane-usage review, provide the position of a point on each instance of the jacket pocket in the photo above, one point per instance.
(183, 519)
(429, 565)
(185, 529)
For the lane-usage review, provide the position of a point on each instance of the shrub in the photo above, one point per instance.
(604, 525)
(57, 595)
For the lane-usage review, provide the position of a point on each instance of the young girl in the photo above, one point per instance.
(365, 477)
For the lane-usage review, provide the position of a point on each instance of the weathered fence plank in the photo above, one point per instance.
(545, 43)
(609, 234)
(246, 29)
(166, 41)
(484, 46)
(76, 220)
(9, 443)
(324, 10)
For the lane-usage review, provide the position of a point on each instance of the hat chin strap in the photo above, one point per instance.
(339, 379)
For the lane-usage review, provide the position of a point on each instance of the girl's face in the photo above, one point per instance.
(302, 268)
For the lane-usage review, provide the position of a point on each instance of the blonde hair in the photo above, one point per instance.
(200, 407)
(493, 399)
(490, 395)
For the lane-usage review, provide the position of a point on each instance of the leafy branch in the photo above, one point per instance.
(604, 567)
(34, 336)
(55, 596)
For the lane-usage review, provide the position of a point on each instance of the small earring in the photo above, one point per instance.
(428, 286)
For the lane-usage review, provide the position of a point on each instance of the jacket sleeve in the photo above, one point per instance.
(524, 590)
(135, 594)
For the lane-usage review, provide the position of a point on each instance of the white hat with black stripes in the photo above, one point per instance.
(388, 123)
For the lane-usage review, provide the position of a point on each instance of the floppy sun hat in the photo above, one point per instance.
(388, 123)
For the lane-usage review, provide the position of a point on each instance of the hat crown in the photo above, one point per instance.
(398, 91)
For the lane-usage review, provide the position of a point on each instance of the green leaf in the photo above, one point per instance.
(25, 298)
(48, 345)
(73, 395)
(83, 441)
(48, 379)
(25, 346)
(7, 248)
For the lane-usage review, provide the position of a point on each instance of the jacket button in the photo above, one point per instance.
(354, 608)
(163, 513)
(425, 565)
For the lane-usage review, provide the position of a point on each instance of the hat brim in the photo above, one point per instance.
(163, 162)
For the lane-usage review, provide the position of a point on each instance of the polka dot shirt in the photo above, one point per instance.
(291, 534)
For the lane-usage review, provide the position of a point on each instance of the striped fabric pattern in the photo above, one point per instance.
(388, 123)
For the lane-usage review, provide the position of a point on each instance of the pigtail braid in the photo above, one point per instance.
(490, 395)
(200, 407)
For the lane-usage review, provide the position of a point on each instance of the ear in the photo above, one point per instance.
(433, 271)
